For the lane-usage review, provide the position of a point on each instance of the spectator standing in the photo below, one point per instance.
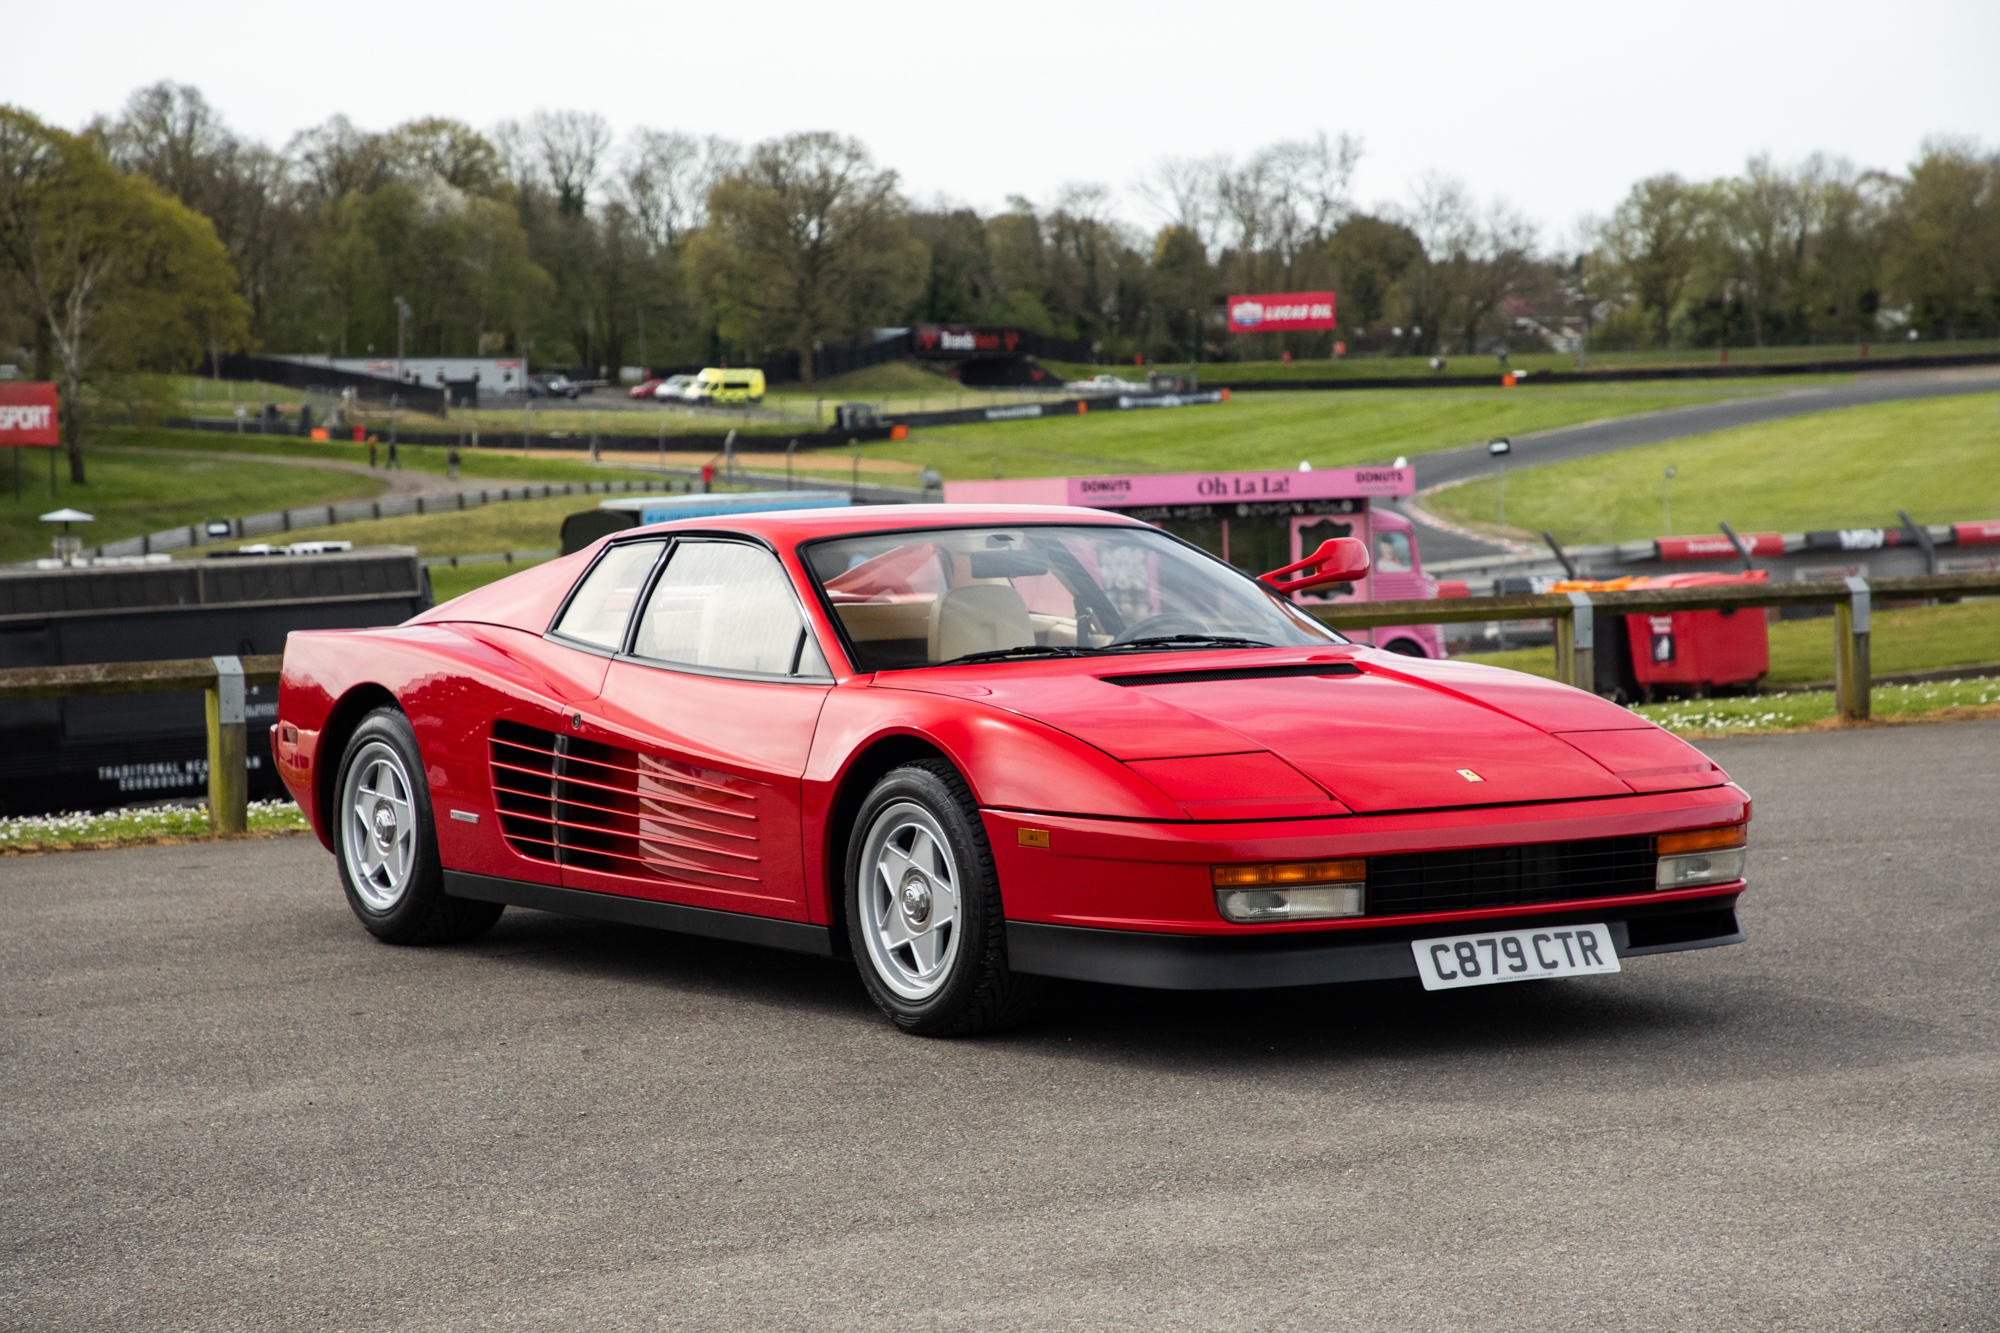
(394, 461)
(451, 463)
(371, 451)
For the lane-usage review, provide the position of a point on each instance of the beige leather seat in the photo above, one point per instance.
(978, 618)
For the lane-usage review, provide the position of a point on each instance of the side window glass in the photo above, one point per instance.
(726, 606)
(1392, 552)
(598, 614)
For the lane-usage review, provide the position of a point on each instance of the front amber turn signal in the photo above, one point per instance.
(1703, 840)
(1288, 872)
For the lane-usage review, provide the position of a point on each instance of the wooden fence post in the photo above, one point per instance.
(1565, 646)
(1853, 683)
(228, 766)
(1582, 643)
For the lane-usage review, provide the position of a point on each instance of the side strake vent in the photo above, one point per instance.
(623, 812)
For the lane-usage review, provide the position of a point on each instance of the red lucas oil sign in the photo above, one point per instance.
(28, 415)
(1281, 312)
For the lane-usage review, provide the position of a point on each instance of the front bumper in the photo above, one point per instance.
(1315, 958)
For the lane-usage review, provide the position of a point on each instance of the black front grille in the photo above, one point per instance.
(1543, 872)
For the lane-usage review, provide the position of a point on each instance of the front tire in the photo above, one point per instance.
(924, 918)
(385, 841)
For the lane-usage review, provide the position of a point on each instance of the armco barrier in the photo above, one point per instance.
(1575, 616)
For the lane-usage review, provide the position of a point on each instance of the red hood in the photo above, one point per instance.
(1393, 733)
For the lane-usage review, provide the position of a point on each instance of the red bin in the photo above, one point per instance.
(1689, 650)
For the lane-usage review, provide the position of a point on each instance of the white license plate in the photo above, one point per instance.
(1451, 961)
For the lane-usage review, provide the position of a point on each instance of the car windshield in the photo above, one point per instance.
(914, 599)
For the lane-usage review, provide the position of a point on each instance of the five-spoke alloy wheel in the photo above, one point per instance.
(909, 905)
(924, 918)
(385, 840)
(380, 840)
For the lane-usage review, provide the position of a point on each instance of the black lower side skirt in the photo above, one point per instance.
(798, 936)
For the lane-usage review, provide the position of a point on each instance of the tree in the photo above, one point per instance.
(958, 283)
(1183, 285)
(569, 147)
(122, 275)
(1369, 256)
(810, 240)
(1944, 234)
(448, 150)
(169, 134)
(1654, 239)
(666, 179)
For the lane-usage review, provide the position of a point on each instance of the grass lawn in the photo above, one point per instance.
(517, 525)
(1924, 638)
(485, 464)
(447, 582)
(1278, 430)
(133, 493)
(124, 828)
(1939, 701)
(1939, 458)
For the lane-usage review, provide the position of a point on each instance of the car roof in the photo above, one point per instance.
(789, 527)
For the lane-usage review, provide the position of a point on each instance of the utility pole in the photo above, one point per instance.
(402, 314)
(1666, 502)
(527, 398)
(1500, 449)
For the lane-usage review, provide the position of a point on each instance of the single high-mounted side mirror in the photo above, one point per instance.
(1338, 560)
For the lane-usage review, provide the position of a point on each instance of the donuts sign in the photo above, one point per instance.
(1281, 312)
(28, 416)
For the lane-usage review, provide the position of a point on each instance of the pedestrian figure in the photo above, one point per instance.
(394, 461)
(451, 463)
(371, 451)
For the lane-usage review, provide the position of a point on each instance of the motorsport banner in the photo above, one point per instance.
(28, 416)
(1281, 312)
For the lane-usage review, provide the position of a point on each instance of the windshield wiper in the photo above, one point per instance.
(1024, 650)
(1193, 641)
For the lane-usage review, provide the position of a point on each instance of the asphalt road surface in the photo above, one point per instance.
(1603, 437)
(226, 1107)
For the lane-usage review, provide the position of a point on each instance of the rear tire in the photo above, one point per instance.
(1405, 648)
(924, 918)
(385, 842)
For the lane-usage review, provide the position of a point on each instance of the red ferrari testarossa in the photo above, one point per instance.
(974, 746)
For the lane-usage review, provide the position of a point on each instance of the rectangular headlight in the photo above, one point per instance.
(1290, 891)
(1691, 871)
(1696, 857)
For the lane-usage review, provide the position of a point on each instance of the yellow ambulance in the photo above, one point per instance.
(720, 386)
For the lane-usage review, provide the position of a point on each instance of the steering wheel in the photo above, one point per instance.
(1171, 622)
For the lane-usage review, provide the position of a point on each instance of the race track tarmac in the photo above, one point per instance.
(226, 1107)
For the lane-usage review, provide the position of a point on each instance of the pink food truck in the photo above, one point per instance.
(1259, 521)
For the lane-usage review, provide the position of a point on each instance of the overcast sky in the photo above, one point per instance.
(1557, 107)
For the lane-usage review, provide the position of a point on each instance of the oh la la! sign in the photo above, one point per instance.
(28, 416)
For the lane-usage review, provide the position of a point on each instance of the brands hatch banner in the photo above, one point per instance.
(962, 340)
(1281, 312)
(28, 416)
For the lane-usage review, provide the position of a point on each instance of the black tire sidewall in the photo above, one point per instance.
(979, 900)
(419, 903)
